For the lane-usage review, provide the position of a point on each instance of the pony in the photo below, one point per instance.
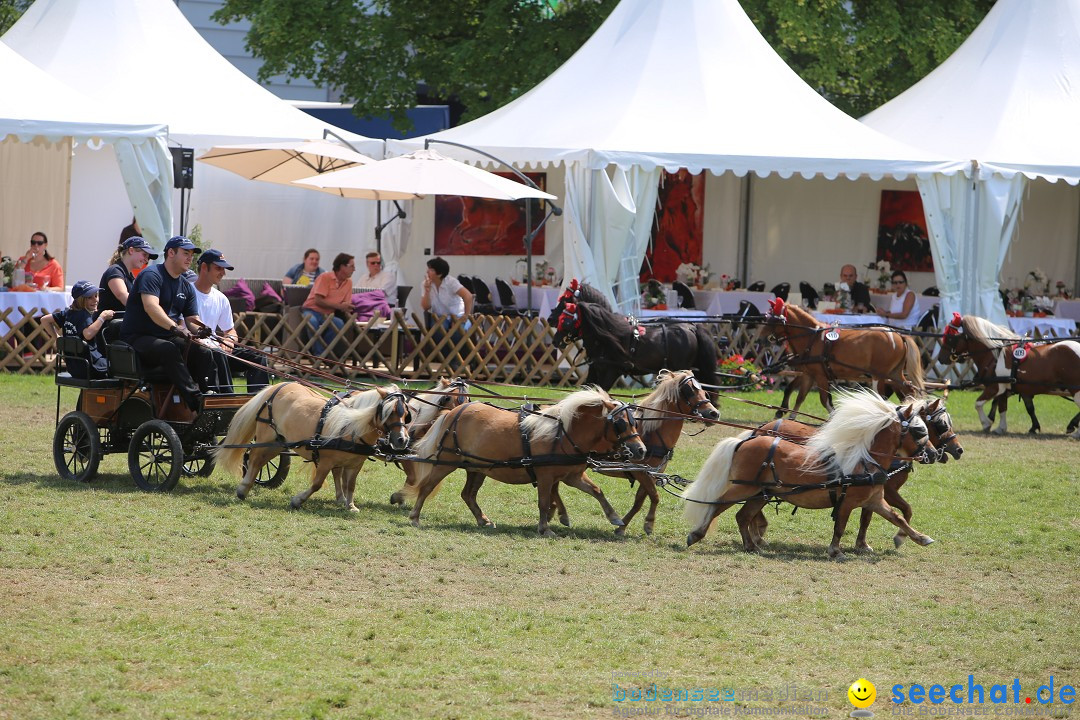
(827, 354)
(337, 433)
(615, 347)
(1006, 364)
(426, 408)
(941, 443)
(861, 436)
(660, 415)
(514, 447)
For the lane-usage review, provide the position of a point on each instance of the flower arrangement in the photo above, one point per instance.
(843, 296)
(884, 274)
(653, 296)
(736, 370)
(693, 274)
(1036, 283)
(7, 269)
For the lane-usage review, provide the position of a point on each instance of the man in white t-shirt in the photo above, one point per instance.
(377, 277)
(216, 312)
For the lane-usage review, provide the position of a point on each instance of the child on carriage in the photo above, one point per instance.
(77, 321)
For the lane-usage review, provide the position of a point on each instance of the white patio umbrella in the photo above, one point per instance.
(284, 162)
(424, 172)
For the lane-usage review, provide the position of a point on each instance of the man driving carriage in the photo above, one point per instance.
(156, 317)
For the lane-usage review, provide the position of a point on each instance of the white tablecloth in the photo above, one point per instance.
(33, 303)
(860, 319)
(543, 298)
(1067, 309)
(1056, 326)
(677, 314)
(725, 302)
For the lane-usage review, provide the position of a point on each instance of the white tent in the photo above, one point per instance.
(686, 84)
(142, 58)
(1009, 100)
(40, 118)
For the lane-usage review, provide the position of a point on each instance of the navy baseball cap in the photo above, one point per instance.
(83, 287)
(140, 244)
(215, 257)
(180, 242)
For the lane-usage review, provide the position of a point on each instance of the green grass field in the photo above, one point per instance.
(121, 604)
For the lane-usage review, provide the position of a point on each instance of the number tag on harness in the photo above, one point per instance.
(1020, 352)
(832, 335)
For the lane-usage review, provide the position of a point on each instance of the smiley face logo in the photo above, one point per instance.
(862, 693)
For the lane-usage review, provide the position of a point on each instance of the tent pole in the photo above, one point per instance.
(743, 258)
(1076, 274)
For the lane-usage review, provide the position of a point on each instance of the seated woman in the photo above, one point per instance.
(902, 307)
(42, 269)
(443, 294)
(304, 273)
(132, 255)
(76, 321)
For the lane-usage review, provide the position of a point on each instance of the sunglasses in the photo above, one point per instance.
(37, 242)
(374, 262)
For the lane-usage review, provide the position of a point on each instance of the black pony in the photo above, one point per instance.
(616, 348)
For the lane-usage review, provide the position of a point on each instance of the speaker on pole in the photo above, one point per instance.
(183, 168)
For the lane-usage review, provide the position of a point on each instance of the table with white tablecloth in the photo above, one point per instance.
(726, 302)
(1069, 309)
(1046, 326)
(18, 305)
(850, 319)
(673, 314)
(544, 298)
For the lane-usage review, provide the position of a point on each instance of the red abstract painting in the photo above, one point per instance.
(902, 236)
(679, 227)
(481, 226)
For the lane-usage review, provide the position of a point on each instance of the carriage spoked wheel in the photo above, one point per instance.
(201, 466)
(77, 447)
(155, 456)
(274, 472)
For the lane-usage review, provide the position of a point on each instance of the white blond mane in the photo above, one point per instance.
(987, 333)
(845, 438)
(355, 415)
(425, 406)
(665, 397)
(540, 427)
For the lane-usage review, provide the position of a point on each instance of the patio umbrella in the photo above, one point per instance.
(424, 172)
(284, 162)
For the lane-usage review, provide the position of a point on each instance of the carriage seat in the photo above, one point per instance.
(73, 352)
(126, 364)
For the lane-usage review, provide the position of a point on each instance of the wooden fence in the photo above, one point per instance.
(492, 348)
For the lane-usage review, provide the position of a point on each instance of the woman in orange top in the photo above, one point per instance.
(42, 268)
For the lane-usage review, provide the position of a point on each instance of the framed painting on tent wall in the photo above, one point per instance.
(481, 226)
(679, 227)
(902, 236)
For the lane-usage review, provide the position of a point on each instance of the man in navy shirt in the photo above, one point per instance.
(158, 309)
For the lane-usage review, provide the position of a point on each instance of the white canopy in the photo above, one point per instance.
(1008, 99)
(34, 106)
(141, 58)
(676, 84)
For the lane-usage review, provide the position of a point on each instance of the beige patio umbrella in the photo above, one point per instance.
(284, 162)
(424, 172)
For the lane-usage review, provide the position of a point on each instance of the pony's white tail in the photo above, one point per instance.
(241, 431)
(913, 369)
(711, 482)
(428, 449)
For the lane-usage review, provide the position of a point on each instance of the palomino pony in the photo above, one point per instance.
(941, 443)
(660, 416)
(616, 348)
(337, 433)
(861, 436)
(826, 354)
(1007, 364)
(514, 447)
(426, 409)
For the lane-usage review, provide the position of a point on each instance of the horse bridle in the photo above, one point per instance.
(622, 420)
(401, 407)
(688, 390)
(942, 422)
(919, 432)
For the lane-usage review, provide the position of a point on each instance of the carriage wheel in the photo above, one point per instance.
(274, 472)
(156, 456)
(76, 447)
(201, 467)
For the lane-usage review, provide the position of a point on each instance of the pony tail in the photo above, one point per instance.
(427, 449)
(241, 431)
(913, 368)
(706, 360)
(711, 482)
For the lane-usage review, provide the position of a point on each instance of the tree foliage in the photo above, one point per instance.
(10, 11)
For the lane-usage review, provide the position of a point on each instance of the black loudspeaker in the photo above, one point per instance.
(183, 162)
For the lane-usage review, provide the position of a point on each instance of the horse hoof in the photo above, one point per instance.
(999, 432)
(620, 532)
(241, 495)
(616, 521)
(354, 509)
(898, 539)
(926, 540)
(564, 520)
(415, 523)
(692, 538)
(864, 549)
(986, 428)
(396, 499)
(548, 534)
(1033, 431)
(648, 528)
